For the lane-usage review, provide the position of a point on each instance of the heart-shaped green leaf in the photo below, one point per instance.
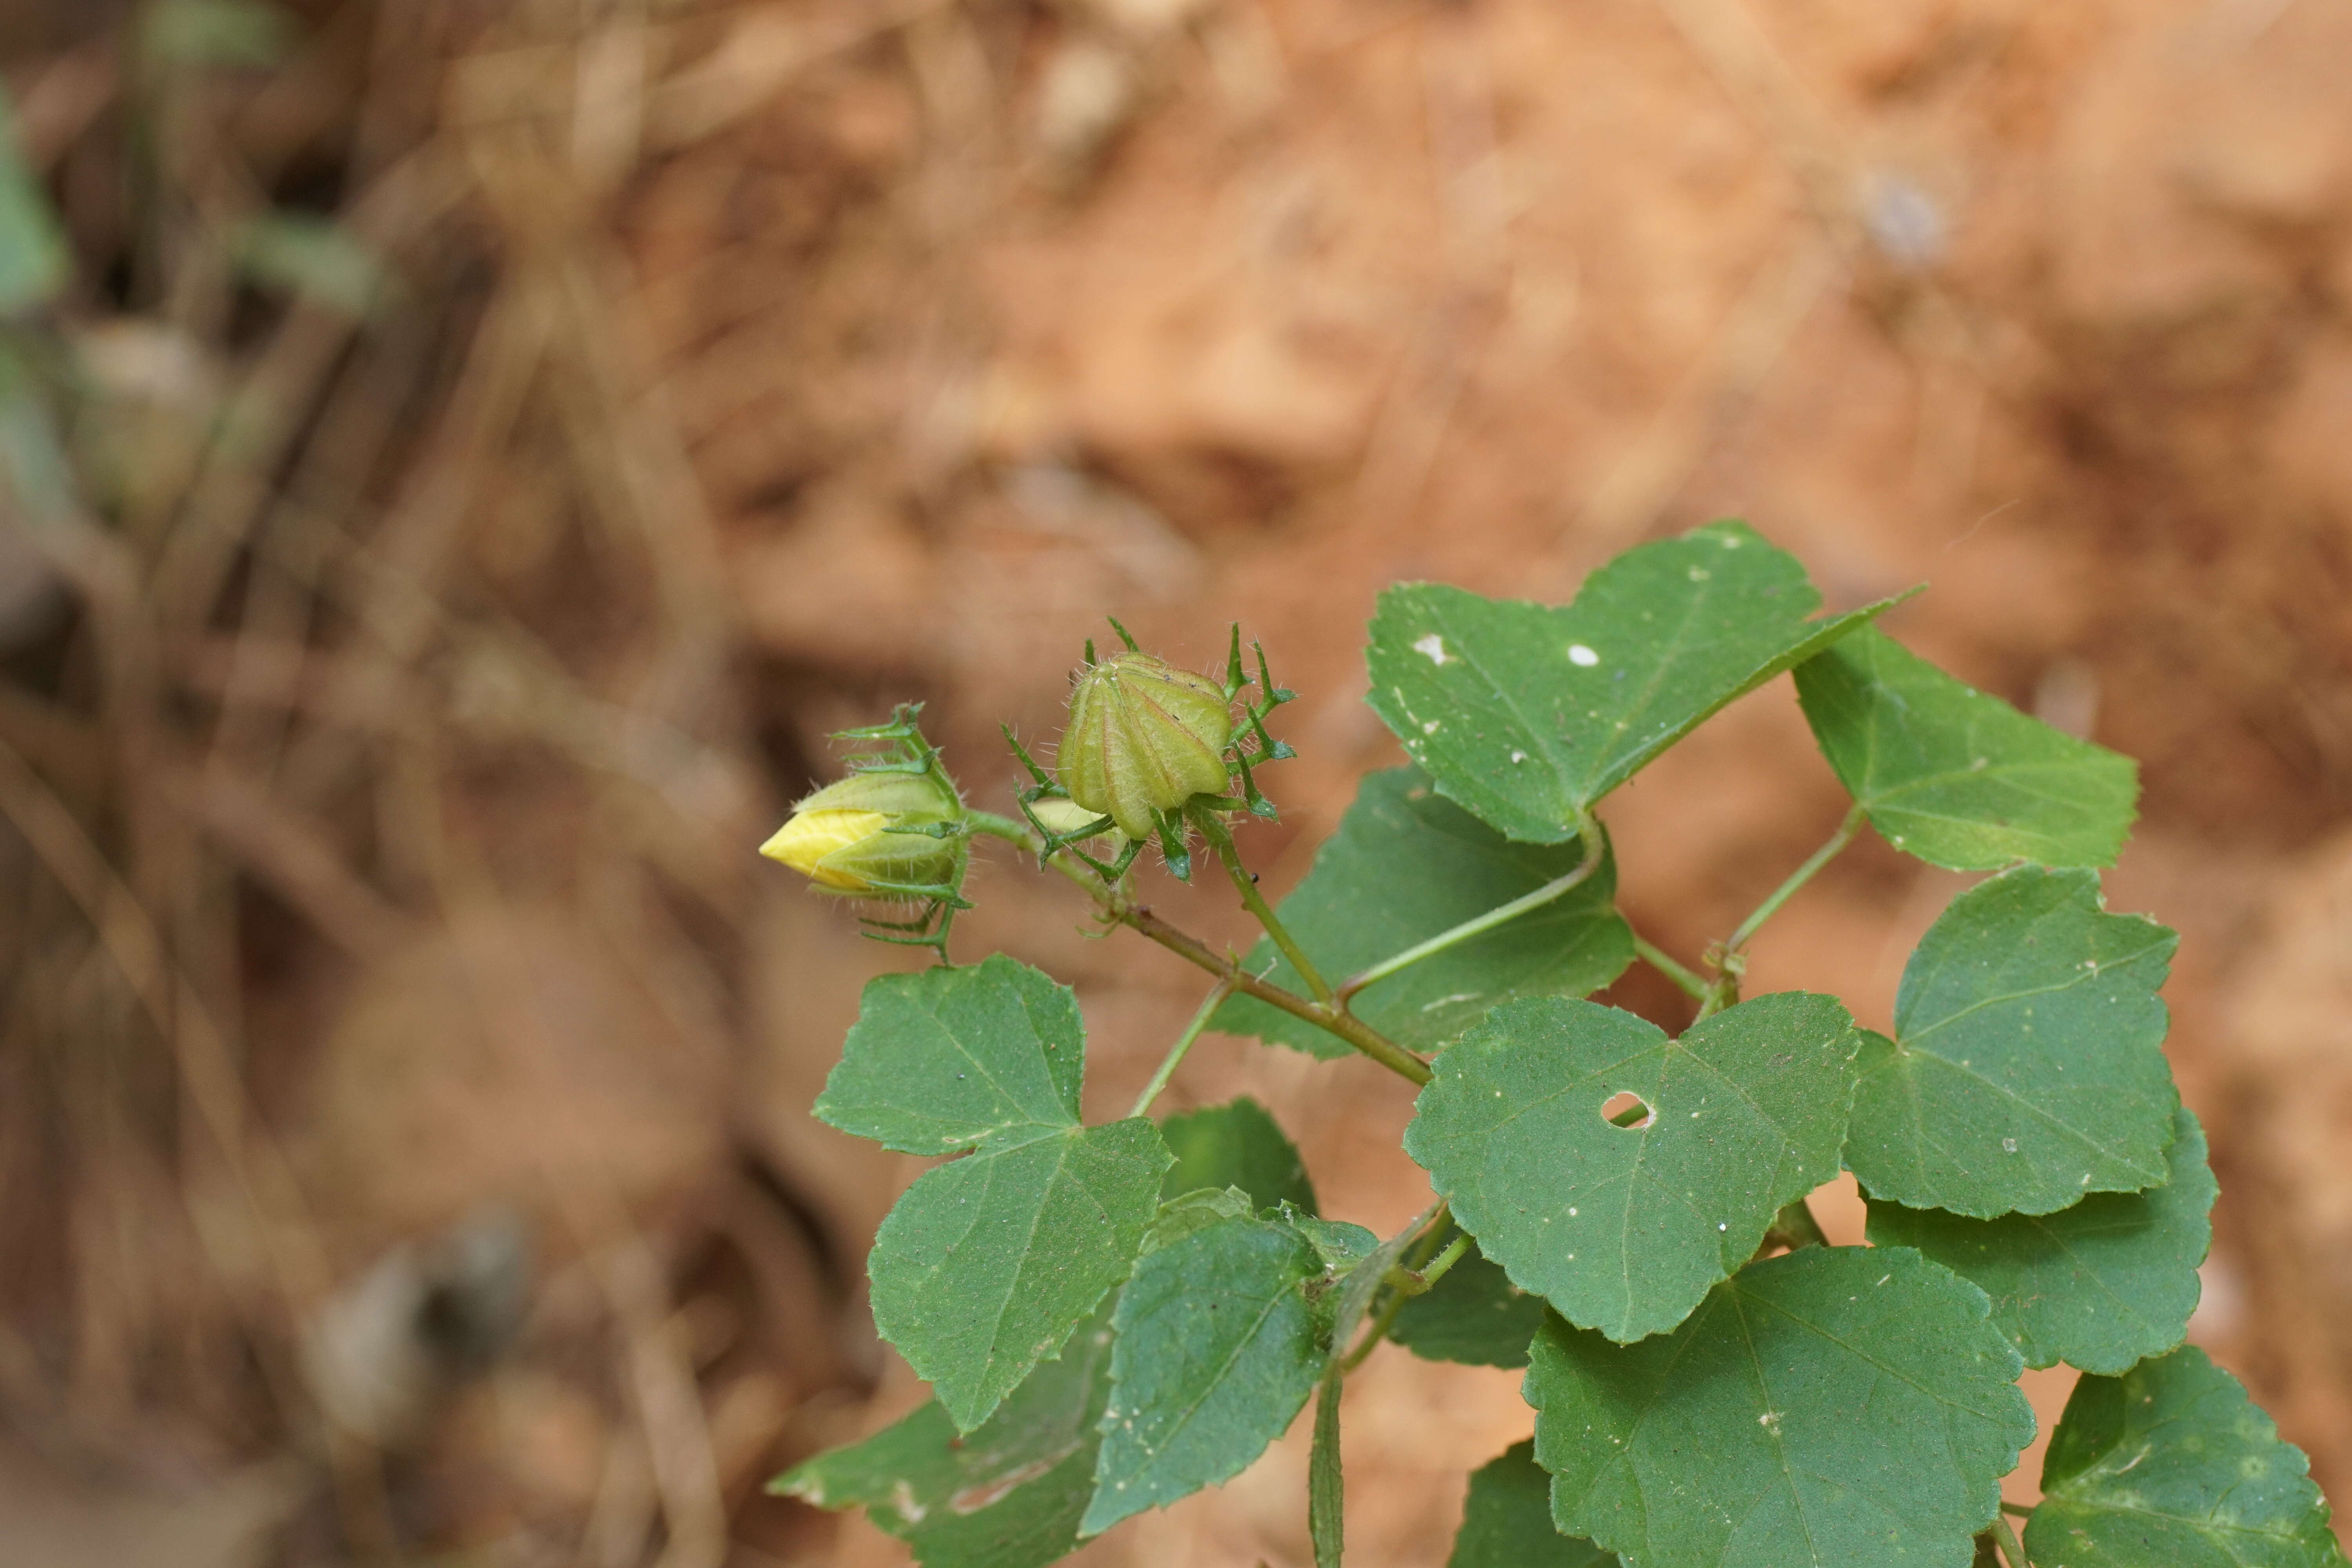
(1836, 1408)
(1624, 1224)
(987, 1263)
(1955, 775)
(2026, 1070)
(2098, 1286)
(2171, 1466)
(1527, 714)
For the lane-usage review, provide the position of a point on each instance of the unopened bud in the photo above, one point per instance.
(1144, 737)
(1062, 817)
(875, 834)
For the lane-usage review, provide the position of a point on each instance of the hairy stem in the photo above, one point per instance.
(1797, 879)
(1184, 1045)
(1349, 1029)
(1443, 1264)
(1222, 841)
(1596, 846)
(1346, 1027)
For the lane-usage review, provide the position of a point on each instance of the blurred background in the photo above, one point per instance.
(459, 458)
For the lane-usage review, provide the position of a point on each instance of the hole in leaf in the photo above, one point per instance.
(1626, 1109)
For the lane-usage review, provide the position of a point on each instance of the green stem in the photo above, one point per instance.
(1220, 840)
(2019, 1508)
(1797, 879)
(1325, 1480)
(2010, 1547)
(1177, 1052)
(1596, 846)
(1689, 981)
(1385, 1319)
(1439, 1266)
(1351, 1030)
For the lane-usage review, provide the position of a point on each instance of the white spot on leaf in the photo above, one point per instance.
(1432, 648)
(1581, 656)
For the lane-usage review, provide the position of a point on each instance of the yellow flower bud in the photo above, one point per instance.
(1144, 737)
(862, 834)
(809, 837)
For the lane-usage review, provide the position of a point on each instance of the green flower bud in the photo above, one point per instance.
(852, 837)
(1144, 736)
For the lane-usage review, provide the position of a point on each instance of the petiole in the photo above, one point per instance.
(1596, 846)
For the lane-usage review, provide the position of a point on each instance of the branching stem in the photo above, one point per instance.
(1115, 908)
(1596, 846)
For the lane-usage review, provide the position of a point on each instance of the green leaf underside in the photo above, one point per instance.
(1507, 1521)
(2027, 1069)
(1341, 1246)
(2171, 1466)
(1217, 1349)
(1008, 1494)
(1404, 866)
(990, 1055)
(1199, 1209)
(1237, 1144)
(1527, 714)
(1473, 1314)
(987, 1263)
(1625, 1229)
(1834, 1407)
(1955, 775)
(2098, 1286)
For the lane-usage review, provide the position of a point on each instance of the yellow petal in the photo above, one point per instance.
(804, 842)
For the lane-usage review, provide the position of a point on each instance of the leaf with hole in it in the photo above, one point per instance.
(987, 1263)
(2171, 1466)
(2098, 1286)
(1625, 1228)
(1473, 1314)
(1218, 1347)
(1955, 775)
(1404, 866)
(2026, 1070)
(1008, 1494)
(1507, 1521)
(1527, 714)
(1237, 1144)
(1835, 1407)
